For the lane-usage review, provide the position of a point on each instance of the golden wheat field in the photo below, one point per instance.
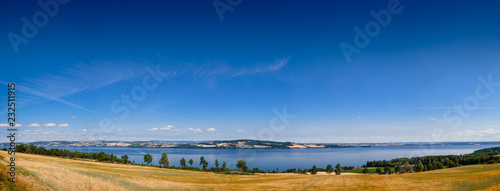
(51, 173)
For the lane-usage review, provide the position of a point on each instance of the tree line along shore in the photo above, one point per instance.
(398, 165)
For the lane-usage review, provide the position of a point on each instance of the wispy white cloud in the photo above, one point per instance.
(172, 128)
(77, 78)
(49, 125)
(73, 117)
(96, 74)
(187, 130)
(264, 68)
(49, 135)
(168, 127)
(85, 76)
(359, 117)
(192, 130)
(225, 69)
(34, 125)
(7, 125)
(63, 125)
(211, 130)
(49, 97)
(239, 131)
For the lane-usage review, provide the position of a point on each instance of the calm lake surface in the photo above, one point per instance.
(286, 158)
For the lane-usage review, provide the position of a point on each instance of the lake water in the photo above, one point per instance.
(287, 158)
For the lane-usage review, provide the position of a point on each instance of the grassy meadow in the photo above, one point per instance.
(50, 173)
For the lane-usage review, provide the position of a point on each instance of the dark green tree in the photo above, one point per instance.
(429, 167)
(183, 162)
(191, 162)
(217, 164)
(337, 169)
(314, 170)
(241, 164)
(125, 159)
(407, 167)
(148, 158)
(439, 165)
(164, 160)
(203, 162)
(387, 170)
(365, 170)
(378, 171)
(329, 169)
(420, 166)
(451, 164)
(224, 168)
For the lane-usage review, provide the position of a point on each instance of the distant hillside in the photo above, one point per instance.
(230, 144)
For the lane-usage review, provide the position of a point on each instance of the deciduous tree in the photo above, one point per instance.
(125, 159)
(365, 170)
(314, 170)
(337, 169)
(224, 168)
(164, 160)
(407, 167)
(420, 166)
(241, 164)
(203, 162)
(183, 162)
(378, 170)
(329, 169)
(148, 158)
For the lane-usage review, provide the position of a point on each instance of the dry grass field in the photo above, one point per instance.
(50, 173)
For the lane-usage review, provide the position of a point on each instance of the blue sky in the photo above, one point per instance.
(268, 70)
